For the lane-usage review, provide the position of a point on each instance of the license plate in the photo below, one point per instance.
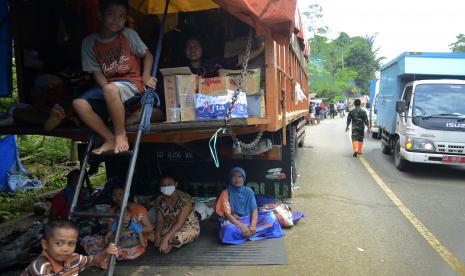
(453, 159)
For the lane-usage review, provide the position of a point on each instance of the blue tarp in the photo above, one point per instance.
(5, 51)
(13, 175)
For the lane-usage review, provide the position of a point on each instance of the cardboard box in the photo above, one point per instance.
(180, 87)
(251, 82)
(256, 106)
(218, 86)
(237, 46)
(214, 107)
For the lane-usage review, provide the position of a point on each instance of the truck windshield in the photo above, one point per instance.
(439, 100)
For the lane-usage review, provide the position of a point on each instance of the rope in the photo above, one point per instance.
(212, 146)
(147, 101)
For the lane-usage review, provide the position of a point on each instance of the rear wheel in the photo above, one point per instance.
(385, 148)
(399, 161)
(294, 150)
(291, 153)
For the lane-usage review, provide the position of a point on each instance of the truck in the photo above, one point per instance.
(52, 33)
(421, 110)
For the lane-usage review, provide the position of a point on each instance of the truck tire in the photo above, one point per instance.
(399, 161)
(294, 153)
(386, 149)
(301, 143)
(291, 152)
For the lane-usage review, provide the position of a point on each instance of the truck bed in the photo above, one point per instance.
(159, 132)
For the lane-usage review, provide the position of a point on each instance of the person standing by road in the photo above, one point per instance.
(359, 119)
(317, 113)
(332, 110)
(341, 109)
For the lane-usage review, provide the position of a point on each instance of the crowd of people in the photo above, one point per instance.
(357, 117)
(177, 224)
(319, 111)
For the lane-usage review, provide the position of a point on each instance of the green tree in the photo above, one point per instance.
(344, 78)
(459, 45)
(362, 60)
(336, 66)
(315, 16)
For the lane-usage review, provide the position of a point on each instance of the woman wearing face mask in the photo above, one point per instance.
(176, 224)
(239, 219)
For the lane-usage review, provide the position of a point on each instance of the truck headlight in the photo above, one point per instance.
(409, 144)
(421, 144)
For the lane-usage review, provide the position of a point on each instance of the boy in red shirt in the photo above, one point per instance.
(113, 57)
(58, 257)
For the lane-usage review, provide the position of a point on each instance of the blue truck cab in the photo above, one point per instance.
(421, 108)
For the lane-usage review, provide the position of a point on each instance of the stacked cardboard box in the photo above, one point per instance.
(214, 98)
(251, 82)
(180, 88)
(251, 86)
(183, 103)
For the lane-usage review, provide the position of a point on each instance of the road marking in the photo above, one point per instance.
(453, 262)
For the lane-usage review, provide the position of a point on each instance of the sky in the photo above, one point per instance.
(402, 25)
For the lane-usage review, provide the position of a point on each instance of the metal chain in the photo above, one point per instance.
(227, 118)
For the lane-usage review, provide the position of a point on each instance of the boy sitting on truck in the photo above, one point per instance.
(113, 57)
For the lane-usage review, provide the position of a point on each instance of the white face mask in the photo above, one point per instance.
(167, 190)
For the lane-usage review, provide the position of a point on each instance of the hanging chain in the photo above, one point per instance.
(227, 118)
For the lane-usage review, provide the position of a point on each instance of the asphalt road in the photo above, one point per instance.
(352, 226)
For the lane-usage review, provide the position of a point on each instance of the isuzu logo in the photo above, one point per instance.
(455, 125)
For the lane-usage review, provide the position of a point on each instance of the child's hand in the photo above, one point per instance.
(111, 249)
(109, 237)
(149, 81)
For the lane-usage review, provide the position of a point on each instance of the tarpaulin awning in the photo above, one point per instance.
(158, 6)
(276, 15)
(301, 32)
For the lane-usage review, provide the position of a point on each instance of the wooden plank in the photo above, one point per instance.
(272, 96)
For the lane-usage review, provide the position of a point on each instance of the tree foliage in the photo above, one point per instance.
(338, 65)
(459, 45)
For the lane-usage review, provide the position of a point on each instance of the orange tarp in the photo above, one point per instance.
(158, 6)
(277, 15)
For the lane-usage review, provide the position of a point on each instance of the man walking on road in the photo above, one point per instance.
(359, 119)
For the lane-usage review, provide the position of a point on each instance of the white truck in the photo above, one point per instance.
(421, 109)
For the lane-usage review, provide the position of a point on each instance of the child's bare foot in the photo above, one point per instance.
(121, 143)
(57, 115)
(107, 146)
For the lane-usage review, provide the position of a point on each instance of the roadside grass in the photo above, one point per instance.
(5, 103)
(47, 159)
